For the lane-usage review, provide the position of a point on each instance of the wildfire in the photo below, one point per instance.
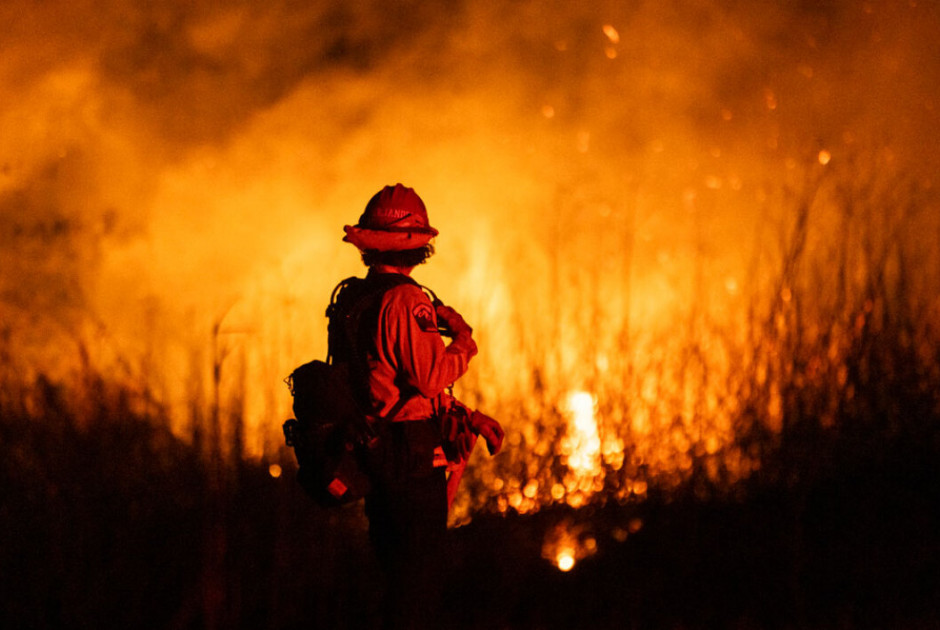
(171, 216)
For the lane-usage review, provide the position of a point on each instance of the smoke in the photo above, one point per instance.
(171, 169)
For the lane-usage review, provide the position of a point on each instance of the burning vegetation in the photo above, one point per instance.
(696, 241)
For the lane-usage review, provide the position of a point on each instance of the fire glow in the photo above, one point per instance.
(582, 445)
(620, 206)
(566, 544)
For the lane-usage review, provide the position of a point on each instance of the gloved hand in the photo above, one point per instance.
(458, 437)
(489, 429)
(453, 320)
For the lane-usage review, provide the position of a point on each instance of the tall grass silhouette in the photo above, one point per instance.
(819, 402)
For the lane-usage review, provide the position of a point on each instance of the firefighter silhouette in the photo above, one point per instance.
(425, 436)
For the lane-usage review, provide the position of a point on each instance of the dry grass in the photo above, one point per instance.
(829, 387)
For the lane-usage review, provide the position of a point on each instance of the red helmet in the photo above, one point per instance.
(394, 219)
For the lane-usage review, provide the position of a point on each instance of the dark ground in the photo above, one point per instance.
(121, 526)
(860, 552)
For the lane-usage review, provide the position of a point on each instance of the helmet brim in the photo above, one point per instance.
(387, 241)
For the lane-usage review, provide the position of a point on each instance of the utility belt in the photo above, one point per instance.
(433, 432)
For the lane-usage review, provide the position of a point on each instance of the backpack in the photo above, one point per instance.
(331, 426)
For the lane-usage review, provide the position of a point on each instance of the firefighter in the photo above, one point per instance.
(409, 371)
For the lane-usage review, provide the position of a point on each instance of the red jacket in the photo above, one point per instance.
(411, 352)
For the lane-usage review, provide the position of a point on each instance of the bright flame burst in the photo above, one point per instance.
(582, 445)
(585, 453)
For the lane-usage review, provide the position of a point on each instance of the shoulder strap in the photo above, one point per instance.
(349, 302)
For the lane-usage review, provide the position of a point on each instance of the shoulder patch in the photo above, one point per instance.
(424, 315)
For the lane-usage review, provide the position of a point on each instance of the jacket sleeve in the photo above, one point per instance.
(410, 341)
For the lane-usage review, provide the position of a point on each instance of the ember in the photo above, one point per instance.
(566, 544)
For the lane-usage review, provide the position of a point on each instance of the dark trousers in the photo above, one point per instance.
(407, 513)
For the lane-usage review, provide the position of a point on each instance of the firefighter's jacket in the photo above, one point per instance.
(411, 358)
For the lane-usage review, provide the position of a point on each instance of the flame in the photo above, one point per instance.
(583, 446)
